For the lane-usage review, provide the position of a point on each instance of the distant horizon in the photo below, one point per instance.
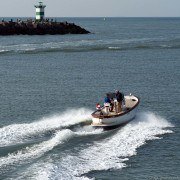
(93, 17)
(93, 8)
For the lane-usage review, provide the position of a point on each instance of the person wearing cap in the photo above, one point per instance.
(119, 98)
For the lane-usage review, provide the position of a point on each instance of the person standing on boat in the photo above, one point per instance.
(107, 103)
(107, 99)
(119, 98)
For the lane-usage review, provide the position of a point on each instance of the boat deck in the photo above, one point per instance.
(111, 113)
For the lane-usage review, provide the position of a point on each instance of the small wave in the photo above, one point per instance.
(109, 153)
(20, 133)
(115, 48)
(30, 153)
(92, 45)
(3, 51)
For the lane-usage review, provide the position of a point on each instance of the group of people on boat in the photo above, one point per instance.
(112, 103)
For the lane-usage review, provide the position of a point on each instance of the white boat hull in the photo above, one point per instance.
(114, 121)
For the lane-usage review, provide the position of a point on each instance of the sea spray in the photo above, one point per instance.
(111, 152)
(20, 133)
(29, 153)
(114, 151)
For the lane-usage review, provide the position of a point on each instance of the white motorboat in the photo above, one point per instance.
(112, 119)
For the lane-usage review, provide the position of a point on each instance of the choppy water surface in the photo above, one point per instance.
(50, 84)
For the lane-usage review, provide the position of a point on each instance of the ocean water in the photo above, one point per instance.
(50, 84)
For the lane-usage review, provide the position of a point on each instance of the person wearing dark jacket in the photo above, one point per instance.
(119, 97)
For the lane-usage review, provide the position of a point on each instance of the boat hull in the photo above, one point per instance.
(116, 121)
(111, 127)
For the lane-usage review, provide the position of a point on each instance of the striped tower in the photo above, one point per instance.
(40, 11)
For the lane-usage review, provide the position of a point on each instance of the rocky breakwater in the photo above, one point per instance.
(39, 28)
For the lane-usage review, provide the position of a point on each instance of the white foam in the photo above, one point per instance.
(114, 48)
(18, 133)
(108, 153)
(47, 171)
(3, 51)
(30, 153)
(87, 130)
(114, 151)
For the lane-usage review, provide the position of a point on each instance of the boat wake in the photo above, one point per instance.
(113, 151)
(110, 151)
(20, 133)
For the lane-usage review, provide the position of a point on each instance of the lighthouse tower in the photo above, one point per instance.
(40, 11)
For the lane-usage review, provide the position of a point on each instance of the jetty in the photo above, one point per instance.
(39, 28)
(39, 25)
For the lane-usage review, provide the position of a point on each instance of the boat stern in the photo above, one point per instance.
(96, 121)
